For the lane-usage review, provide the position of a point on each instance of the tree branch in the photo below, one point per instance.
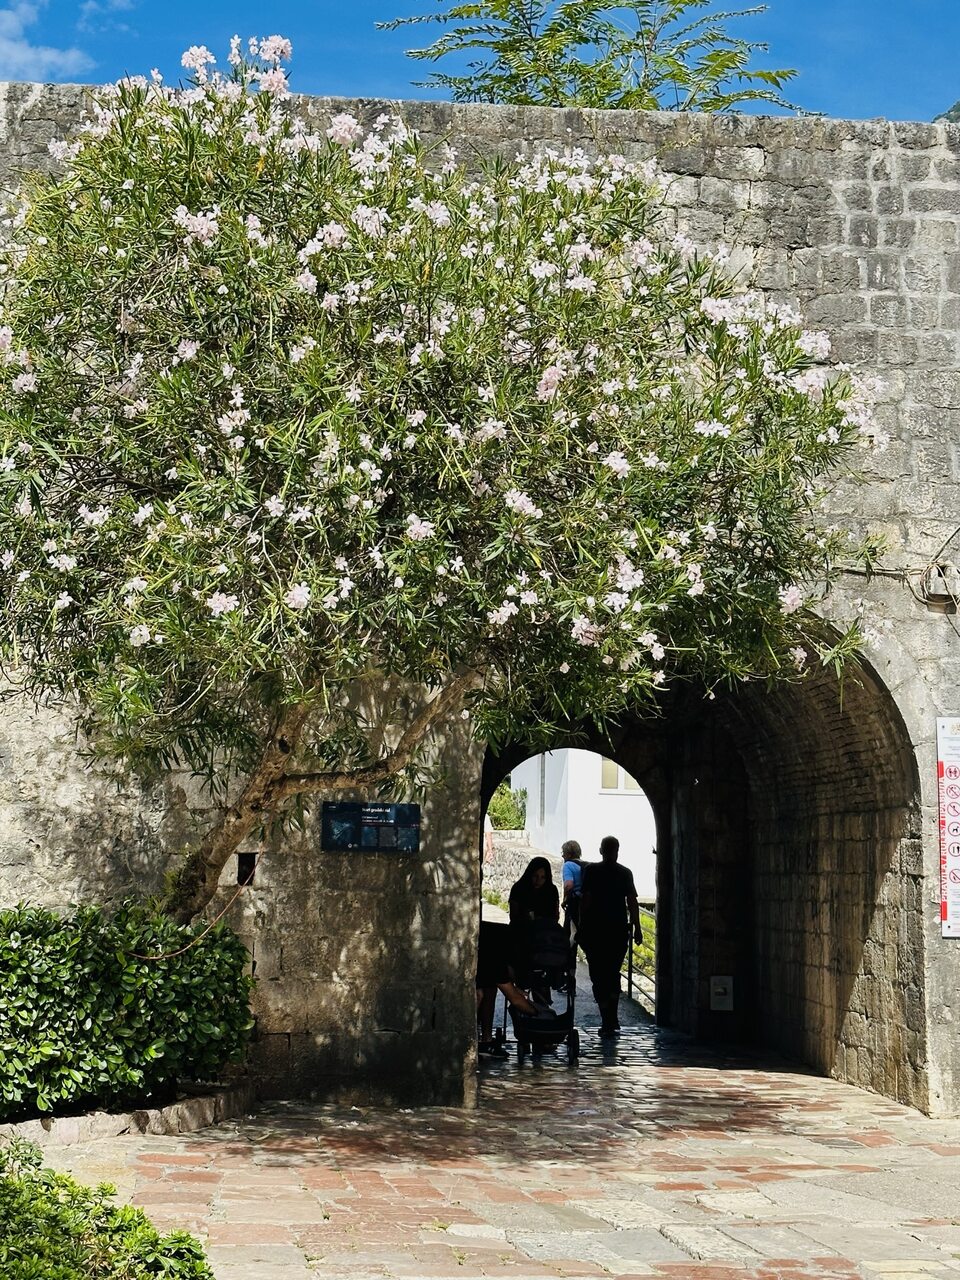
(269, 785)
(449, 698)
(196, 882)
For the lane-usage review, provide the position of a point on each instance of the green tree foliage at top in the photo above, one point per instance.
(652, 55)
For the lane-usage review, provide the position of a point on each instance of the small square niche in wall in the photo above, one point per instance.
(246, 867)
(721, 993)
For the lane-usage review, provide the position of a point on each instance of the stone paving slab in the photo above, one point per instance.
(652, 1160)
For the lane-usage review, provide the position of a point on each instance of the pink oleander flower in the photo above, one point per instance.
(93, 518)
(438, 213)
(220, 603)
(332, 234)
(371, 220)
(628, 576)
(585, 632)
(549, 382)
(275, 82)
(712, 429)
(298, 597)
(522, 503)
(617, 463)
(344, 129)
(791, 598)
(815, 344)
(419, 530)
(499, 617)
(275, 49)
(300, 350)
(197, 58)
(201, 227)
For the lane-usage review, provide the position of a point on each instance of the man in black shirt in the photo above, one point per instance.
(609, 914)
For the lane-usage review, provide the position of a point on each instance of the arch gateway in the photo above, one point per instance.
(797, 828)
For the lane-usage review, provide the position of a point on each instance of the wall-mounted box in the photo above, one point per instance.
(721, 993)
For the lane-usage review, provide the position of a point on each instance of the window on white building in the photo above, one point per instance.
(613, 778)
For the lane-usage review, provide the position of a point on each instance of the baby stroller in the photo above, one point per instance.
(552, 970)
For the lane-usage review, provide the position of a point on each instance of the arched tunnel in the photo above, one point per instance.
(789, 857)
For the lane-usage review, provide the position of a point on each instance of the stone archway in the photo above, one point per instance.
(789, 848)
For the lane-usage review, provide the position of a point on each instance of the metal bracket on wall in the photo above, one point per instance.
(940, 587)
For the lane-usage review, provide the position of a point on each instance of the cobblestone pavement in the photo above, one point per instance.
(650, 1159)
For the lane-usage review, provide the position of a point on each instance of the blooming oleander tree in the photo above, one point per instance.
(286, 416)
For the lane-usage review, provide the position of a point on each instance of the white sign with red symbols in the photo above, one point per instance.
(948, 779)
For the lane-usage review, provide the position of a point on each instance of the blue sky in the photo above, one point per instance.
(856, 58)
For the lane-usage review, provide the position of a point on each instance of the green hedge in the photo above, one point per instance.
(508, 809)
(84, 1022)
(52, 1228)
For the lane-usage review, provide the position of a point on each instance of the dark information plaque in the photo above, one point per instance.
(370, 827)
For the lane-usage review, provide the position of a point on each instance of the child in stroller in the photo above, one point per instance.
(551, 970)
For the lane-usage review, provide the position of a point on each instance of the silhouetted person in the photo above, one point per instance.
(609, 914)
(534, 901)
(493, 973)
(573, 867)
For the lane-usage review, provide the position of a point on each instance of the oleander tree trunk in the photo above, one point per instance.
(271, 786)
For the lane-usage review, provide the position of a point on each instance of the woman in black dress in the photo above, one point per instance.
(534, 900)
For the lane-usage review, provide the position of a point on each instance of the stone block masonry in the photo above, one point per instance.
(798, 836)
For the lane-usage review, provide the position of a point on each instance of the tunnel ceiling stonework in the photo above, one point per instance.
(821, 811)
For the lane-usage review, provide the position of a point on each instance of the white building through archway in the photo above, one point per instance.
(578, 795)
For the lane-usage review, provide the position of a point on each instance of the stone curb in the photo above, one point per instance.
(186, 1116)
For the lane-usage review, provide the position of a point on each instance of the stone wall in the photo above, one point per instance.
(512, 852)
(364, 962)
(70, 831)
(857, 223)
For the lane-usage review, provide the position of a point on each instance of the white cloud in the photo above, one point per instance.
(96, 15)
(20, 59)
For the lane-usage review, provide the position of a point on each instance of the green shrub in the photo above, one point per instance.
(508, 809)
(496, 899)
(645, 955)
(52, 1228)
(86, 1017)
